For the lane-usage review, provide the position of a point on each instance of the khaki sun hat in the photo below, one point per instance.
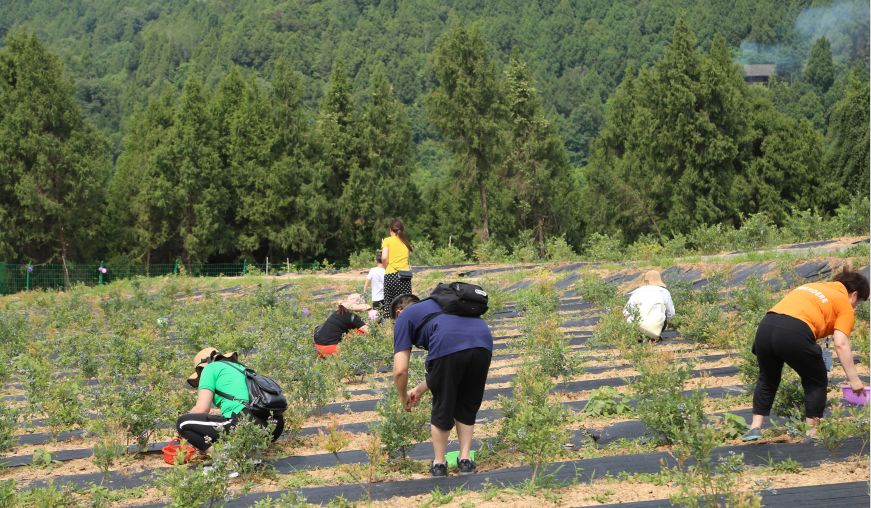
(652, 278)
(354, 303)
(203, 358)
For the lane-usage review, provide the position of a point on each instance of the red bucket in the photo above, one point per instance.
(170, 452)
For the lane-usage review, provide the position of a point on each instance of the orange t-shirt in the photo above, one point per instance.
(824, 306)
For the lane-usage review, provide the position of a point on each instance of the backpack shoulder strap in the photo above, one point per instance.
(426, 320)
(227, 395)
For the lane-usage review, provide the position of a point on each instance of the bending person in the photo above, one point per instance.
(651, 304)
(343, 320)
(788, 334)
(459, 350)
(219, 372)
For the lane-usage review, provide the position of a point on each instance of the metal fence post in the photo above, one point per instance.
(175, 267)
(29, 271)
(267, 265)
(101, 271)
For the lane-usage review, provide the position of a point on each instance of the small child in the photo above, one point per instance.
(376, 276)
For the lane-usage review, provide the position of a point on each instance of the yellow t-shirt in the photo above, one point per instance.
(397, 254)
(824, 306)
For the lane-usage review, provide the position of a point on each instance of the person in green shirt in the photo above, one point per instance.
(218, 372)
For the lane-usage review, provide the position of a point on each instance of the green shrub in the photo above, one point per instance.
(711, 239)
(534, 426)
(365, 258)
(241, 449)
(646, 247)
(807, 225)
(524, 249)
(48, 496)
(557, 249)
(661, 404)
(541, 298)
(193, 486)
(426, 254)
(361, 355)
(490, 251)
(398, 429)
(705, 323)
(65, 405)
(287, 500)
(597, 291)
(603, 247)
(613, 330)
(543, 343)
(8, 494)
(789, 401)
(8, 424)
(607, 401)
(852, 218)
(756, 231)
(843, 423)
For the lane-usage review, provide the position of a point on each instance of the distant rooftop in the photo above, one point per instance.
(759, 70)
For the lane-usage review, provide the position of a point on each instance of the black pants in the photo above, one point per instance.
(393, 287)
(784, 339)
(457, 385)
(202, 430)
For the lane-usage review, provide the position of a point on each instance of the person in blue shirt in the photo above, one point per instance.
(459, 350)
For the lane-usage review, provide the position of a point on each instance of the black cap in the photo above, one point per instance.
(396, 300)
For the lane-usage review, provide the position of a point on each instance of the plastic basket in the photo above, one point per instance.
(453, 457)
(850, 396)
(170, 452)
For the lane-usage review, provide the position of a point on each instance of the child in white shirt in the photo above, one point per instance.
(376, 276)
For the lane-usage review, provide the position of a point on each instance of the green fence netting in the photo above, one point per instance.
(21, 277)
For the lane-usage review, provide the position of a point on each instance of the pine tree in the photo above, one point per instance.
(467, 107)
(54, 165)
(144, 197)
(338, 133)
(380, 186)
(846, 158)
(536, 166)
(203, 225)
(819, 70)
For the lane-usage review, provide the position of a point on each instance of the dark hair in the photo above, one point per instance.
(378, 257)
(401, 302)
(397, 227)
(341, 310)
(854, 282)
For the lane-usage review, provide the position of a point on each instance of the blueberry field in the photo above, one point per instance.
(576, 412)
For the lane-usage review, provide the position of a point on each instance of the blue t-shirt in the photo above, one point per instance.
(443, 335)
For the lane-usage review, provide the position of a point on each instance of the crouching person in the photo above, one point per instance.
(220, 380)
(459, 350)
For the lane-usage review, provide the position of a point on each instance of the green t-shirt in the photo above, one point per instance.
(230, 380)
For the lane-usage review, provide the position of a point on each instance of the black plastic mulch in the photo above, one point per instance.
(567, 281)
(584, 471)
(741, 274)
(842, 495)
(813, 270)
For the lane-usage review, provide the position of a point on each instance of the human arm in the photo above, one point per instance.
(845, 355)
(384, 260)
(415, 393)
(669, 305)
(400, 374)
(204, 401)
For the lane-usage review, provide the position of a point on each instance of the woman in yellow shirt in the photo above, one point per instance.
(789, 333)
(397, 272)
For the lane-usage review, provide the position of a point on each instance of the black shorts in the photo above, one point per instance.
(457, 385)
(377, 304)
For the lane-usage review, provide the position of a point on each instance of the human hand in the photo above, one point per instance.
(857, 387)
(412, 399)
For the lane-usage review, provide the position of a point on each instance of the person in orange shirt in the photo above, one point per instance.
(789, 333)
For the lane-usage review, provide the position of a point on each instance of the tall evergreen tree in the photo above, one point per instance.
(468, 109)
(819, 70)
(203, 226)
(53, 165)
(536, 164)
(846, 158)
(338, 132)
(144, 197)
(380, 186)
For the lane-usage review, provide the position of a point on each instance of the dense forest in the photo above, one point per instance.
(213, 130)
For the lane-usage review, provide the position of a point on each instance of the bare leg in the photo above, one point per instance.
(464, 434)
(439, 444)
(757, 421)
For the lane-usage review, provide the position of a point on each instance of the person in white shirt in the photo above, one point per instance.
(376, 277)
(651, 305)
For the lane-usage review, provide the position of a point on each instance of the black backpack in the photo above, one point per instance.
(264, 395)
(459, 299)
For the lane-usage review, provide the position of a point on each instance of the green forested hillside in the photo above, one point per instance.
(298, 127)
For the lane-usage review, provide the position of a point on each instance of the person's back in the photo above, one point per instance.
(227, 377)
(652, 306)
(441, 336)
(376, 277)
